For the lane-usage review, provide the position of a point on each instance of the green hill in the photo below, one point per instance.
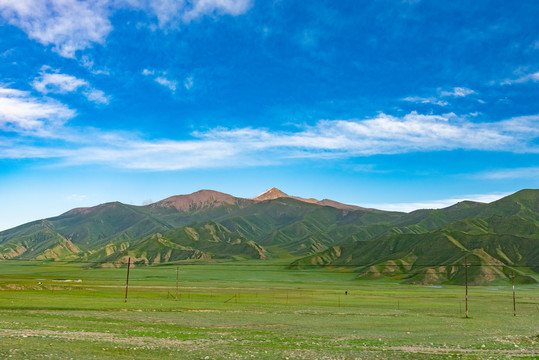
(424, 246)
(498, 239)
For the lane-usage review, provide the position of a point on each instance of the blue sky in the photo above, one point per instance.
(390, 104)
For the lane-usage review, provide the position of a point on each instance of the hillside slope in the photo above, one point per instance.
(499, 239)
(423, 246)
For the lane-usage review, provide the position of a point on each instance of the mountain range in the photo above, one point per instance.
(498, 239)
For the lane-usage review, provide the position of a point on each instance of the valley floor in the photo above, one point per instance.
(253, 310)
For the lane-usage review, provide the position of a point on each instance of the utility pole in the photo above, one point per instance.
(177, 270)
(127, 280)
(514, 303)
(466, 272)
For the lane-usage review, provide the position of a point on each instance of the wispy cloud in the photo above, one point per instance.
(522, 79)
(189, 82)
(161, 78)
(52, 81)
(22, 113)
(435, 204)
(199, 8)
(89, 64)
(383, 134)
(73, 25)
(516, 173)
(171, 84)
(218, 147)
(96, 96)
(457, 92)
(426, 100)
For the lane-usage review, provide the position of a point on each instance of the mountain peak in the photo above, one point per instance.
(199, 199)
(271, 194)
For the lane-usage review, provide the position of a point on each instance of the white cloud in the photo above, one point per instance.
(73, 25)
(166, 11)
(218, 147)
(188, 82)
(435, 204)
(426, 100)
(51, 81)
(516, 173)
(523, 79)
(22, 113)
(171, 84)
(162, 79)
(458, 92)
(96, 96)
(57, 83)
(521, 126)
(198, 8)
(69, 25)
(383, 134)
(88, 63)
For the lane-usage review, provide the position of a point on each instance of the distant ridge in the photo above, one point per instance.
(424, 246)
(275, 193)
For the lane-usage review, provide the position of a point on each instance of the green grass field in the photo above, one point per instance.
(253, 310)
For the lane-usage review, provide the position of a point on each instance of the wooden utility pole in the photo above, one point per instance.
(177, 270)
(127, 280)
(514, 303)
(466, 272)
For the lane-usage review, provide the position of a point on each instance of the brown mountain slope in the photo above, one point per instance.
(196, 200)
(275, 193)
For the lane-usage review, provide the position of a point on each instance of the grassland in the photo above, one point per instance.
(253, 310)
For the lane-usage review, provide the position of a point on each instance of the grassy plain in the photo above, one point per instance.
(253, 310)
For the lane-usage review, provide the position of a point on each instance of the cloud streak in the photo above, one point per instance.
(456, 92)
(426, 100)
(220, 147)
(517, 173)
(534, 77)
